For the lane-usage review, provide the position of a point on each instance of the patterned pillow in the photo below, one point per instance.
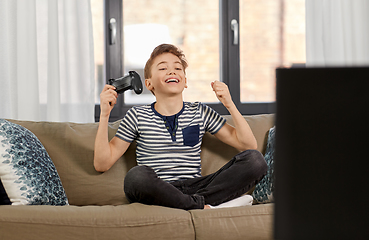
(27, 174)
(263, 192)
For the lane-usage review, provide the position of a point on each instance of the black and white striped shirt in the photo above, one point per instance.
(173, 153)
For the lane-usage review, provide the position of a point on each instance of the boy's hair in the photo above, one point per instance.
(164, 48)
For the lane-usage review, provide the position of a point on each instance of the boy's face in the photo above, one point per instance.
(167, 75)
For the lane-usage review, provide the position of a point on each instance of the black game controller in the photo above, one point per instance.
(130, 81)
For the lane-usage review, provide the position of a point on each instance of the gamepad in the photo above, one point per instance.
(130, 81)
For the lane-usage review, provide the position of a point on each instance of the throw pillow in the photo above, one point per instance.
(263, 192)
(27, 174)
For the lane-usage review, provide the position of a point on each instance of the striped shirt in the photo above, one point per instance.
(173, 153)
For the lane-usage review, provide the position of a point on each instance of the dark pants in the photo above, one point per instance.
(234, 179)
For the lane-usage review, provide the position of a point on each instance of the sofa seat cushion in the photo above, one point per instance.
(256, 222)
(133, 221)
(27, 174)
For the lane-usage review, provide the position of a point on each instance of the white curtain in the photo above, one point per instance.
(46, 60)
(337, 32)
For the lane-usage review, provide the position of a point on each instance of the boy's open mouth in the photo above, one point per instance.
(172, 80)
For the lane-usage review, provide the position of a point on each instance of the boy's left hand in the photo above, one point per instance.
(222, 92)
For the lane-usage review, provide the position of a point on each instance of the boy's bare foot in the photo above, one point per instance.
(206, 207)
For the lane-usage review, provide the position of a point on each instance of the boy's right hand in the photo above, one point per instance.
(108, 98)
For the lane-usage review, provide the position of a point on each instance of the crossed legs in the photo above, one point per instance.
(235, 178)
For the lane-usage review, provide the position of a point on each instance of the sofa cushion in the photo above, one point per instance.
(130, 221)
(27, 174)
(71, 148)
(215, 153)
(263, 192)
(249, 222)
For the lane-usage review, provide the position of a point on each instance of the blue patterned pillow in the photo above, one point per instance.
(27, 174)
(263, 192)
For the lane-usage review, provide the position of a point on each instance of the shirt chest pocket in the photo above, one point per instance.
(191, 135)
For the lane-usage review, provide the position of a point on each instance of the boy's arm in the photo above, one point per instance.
(107, 153)
(240, 136)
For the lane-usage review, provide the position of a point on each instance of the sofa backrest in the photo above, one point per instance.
(215, 154)
(71, 148)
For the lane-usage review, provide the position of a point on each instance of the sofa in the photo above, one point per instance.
(98, 208)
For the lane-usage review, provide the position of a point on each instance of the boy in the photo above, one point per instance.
(168, 134)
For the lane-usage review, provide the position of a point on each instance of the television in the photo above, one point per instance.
(322, 153)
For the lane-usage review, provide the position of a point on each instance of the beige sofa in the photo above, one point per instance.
(99, 210)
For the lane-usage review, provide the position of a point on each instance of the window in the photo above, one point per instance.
(182, 23)
(239, 42)
(272, 34)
